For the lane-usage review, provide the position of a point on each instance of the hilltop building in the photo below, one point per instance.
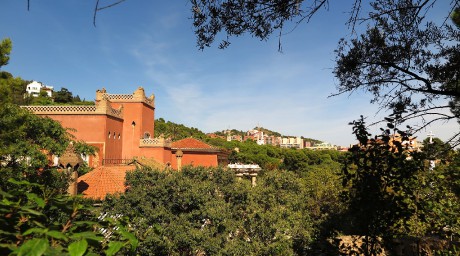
(35, 88)
(292, 142)
(262, 138)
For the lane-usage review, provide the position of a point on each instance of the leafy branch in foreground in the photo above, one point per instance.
(39, 223)
(392, 192)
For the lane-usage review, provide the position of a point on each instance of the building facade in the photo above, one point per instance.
(121, 126)
(34, 89)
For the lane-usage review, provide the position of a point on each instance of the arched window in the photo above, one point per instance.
(109, 135)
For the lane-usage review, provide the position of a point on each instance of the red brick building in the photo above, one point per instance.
(121, 127)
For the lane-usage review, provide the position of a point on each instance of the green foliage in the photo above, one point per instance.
(381, 179)
(63, 96)
(224, 133)
(271, 158)
(24, 134)
(176, 131)
(12, 89)
(80, 147)
(26, 140)
(38, 221)
(436, 149)
(257, 18)
(209, 211)
(456, 16)
(391, 191)
(400, 55)
(312, 141)
(5, 50)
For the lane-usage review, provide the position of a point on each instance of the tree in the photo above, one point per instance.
(208, 211)
(5, 50)
(37, 221)
(436, 149)
(407, 63)
(392, 193)
(26, 141)
(456, 16)
(41, 99)
(12, 89)
(63, 96)
(260, 19)
(176, 131)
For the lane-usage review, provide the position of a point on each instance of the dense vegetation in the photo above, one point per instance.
(381, 189)
(175, 131)
(376, 192)
(204, 211)
(61, 97)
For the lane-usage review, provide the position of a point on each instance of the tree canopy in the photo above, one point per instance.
(176, 131)
(208, 211)
(63, 96)
(391, 192)
(408, 63)
(5, 50)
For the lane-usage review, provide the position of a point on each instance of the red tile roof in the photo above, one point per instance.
(102, 181)
(190, 143)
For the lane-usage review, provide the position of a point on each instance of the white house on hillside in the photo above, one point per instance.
(35, 87)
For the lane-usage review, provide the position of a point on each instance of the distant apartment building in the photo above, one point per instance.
(35, 88)
(273, 140)
(292, 142)
(234, 138)
(263, 139)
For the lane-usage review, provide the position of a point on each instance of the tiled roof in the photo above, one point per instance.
(149, 162)
(190, 143)
(102, 181)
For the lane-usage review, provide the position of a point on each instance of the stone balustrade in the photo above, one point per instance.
(155, 142)
(64, 109)
(101, 108)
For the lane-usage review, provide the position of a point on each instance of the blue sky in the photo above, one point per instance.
(152, 44)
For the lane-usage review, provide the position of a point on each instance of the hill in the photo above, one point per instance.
(176, 131)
